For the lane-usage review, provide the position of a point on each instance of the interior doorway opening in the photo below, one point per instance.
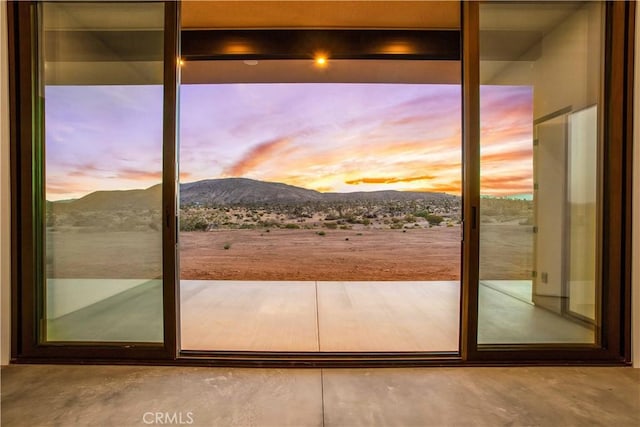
(320, 206)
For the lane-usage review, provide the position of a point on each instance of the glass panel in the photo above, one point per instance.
(320, 216)
(540, 73)
(101, 70)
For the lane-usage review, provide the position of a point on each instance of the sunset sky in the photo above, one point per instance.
(327, 137)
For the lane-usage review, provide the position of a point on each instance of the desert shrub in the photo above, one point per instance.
(321, 233)
(83, 221)
(267, 223)
(410, 218)
(434, 219)
(292, 226)
(422, 214)
(193, 223)
(227, 246)
(331, 225)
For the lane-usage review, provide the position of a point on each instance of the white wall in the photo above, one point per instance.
(636, 207)
(5, 249)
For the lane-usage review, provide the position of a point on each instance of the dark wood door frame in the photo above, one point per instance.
(616, 213)
(26, 259)
(26, 187)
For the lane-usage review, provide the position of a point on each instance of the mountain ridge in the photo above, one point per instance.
(232, 191)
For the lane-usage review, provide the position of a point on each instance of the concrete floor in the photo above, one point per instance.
(316, 316)
(131, 396)
(360, 316)
(319, 316)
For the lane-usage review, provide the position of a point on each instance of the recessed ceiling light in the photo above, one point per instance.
(250, 62)
(321, 60)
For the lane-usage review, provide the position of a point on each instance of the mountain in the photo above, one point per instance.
(117, 200)
(230, 191)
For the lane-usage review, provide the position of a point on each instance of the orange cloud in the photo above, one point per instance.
(408, 120)
(81, 171)
(508, 156)
(256, 156)
(411, 147)
(129, 174)
(435, 169)
(506, 184)
(139, 175)
(453, 187)
(324, 189)
(388, 180)
(491, 135)
(65, 188)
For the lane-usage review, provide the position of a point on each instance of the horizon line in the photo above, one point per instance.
(515, 196)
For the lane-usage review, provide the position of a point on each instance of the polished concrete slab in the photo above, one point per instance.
(244, 315)
(520, 289)
(132, 315)
(504, 319)
(133, 396)
(123, 396)
(389, 316)
(319, 316)
(482, 397)
(361, 316)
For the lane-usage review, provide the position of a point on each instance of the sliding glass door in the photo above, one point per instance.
(100, 215)
(344, 196)
(540, 173)
(102, 121)
(550, 172)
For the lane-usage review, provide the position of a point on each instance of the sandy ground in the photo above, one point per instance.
(104, 255)
(418, 254)
(338, 255)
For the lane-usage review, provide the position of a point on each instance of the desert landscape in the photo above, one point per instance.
(246, 230)
(341, 255)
